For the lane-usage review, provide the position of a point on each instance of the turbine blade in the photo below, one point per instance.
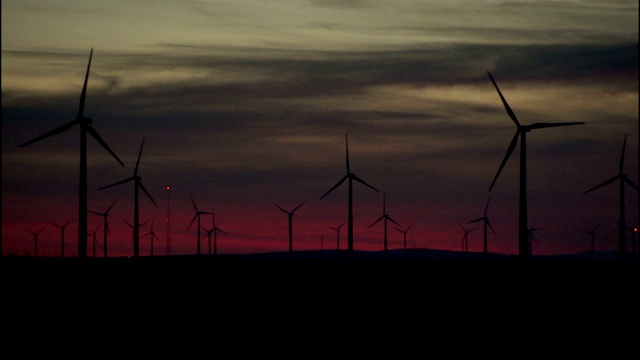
(118, 183)
(109, 208)
(131, 226)
(95, 212)
(375, 222)
(58, 130)
(283, 210)
(624, 145)
(491, 227)
(84, 87)
(193, 202)
(630, 183)
(135, 171)
(363, 182)
(67, 223)
(486, 207)
(56, 225)
(512, 147)
(347, 151)
(335, 186)
(146, 192)
(603, 184)
(192, 221)
(476, 220)
(393, 221)
(297, 207)
(99, 139)
(222, 231)
(407, 229)
(548, 125)
(504, 101)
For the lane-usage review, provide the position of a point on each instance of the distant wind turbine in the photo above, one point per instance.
(384, 217)
(622, 177)
(351, 176)
(465, 238)
(95, 240)
(85, 127)
(337, 230)
(35, 236)
(634, 239)
(485, 220)
(137, 180)
(404, 235)
(105, 227)
(197, 216)
(62, 228)
(214, 230)
(133, 227)
(530, 231)
(521, 130)
(290, 214)
(152, 235)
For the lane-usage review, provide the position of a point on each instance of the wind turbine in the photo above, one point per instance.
(290, 214)
(351, 176)
(197, 216)
(521, 130)
(137, 185)
(465, 238)
(151, 234)
(592, 235)
(634, 239)
(62, 227)
(132, 227)
(215, 231)
(85, 127)
(105, 228)
(404, 235)
(530, 231)
(35, 235)
(485, 220)
(622, 177)
(337, 230)
(386, 217)
(95, 240)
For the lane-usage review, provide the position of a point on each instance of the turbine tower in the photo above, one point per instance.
(85, 127)
(35, 236)
(622, 178)
(521, 131)
(404, 235)
(137, 180)
(351, 177)
(290, 214)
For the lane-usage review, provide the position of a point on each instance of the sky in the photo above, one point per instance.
(245, 106)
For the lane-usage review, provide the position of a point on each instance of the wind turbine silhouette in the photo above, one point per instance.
(137, 185)
(35, 235)
(622, 177)
(62, 227)
(95, 240)
(290, 214)
(521, 130)
(351, 176)
(151, 234)
(404, 235)
(465, 238)
(592, 235)
(197, 216)
(215, 231)
(386, 217)
(337, 230)
(134, 227)
(530, 231)
(485, 220)
(85, 127)
(105, 228)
